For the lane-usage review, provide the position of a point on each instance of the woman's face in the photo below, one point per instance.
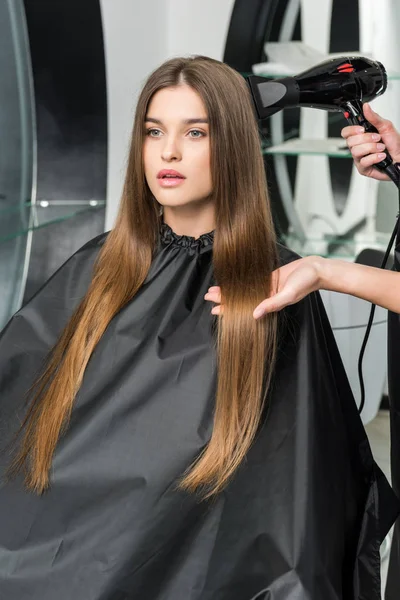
(177, 148)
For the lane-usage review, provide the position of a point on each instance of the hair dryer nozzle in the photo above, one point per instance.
(272, 96)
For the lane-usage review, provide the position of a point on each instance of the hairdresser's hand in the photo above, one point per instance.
(290, 283)
(368, 149)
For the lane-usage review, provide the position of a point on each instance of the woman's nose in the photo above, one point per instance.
(171, 151)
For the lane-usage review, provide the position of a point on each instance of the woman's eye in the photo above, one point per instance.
(197, 131)
(153, 132)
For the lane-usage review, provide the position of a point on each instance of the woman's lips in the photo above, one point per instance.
(166, 182)
(170, 178)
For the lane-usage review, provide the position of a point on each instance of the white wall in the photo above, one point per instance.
(138, 36)
(198, 27)
(130, 56)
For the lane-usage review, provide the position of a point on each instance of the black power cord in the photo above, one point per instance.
(372, 312)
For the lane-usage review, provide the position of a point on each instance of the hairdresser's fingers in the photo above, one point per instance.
(352, 131)
(371, 159)
(362, 150)
(366, 166)
(275, 303)
(389, 134)
(365, 138)
(382, 125)
(213, 297)
(367, 151)
(300, 282)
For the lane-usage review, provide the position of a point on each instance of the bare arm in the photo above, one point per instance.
(375, 285)
(294, 281)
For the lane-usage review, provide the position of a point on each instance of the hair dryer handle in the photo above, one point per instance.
(354, 115)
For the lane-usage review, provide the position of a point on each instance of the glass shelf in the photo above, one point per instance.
(39, 215)
(325, 147)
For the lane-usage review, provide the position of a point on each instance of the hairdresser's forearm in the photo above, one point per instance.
(375, 285)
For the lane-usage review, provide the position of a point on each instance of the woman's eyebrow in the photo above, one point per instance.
(185, 121)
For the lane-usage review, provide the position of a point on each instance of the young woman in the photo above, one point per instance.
(164, 453)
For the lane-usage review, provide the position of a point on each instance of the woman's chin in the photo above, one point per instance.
(174, 201)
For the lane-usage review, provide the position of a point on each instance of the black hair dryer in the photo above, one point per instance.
(339, 84)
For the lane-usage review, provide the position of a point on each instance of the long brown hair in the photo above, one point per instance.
(244, 256)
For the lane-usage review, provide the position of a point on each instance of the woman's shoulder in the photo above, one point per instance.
(93, 245)
(85, 254)
(285, 255)
(71, 280)
(84, 258)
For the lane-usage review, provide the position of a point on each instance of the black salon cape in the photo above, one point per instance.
(393, 580)
(304, 515)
